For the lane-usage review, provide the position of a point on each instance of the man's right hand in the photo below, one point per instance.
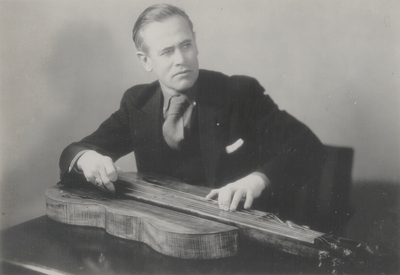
(99, 170)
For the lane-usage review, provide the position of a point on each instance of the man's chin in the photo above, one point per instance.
(184, 85)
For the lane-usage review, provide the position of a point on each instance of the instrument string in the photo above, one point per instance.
(197, 203)
(246, 214)
(213, 211)
(306, 233)
(282, 230)
(202, 199)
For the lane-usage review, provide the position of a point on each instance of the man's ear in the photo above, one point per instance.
(145, 60)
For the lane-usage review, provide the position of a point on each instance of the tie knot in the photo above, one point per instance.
(176, 105)
(173, 128)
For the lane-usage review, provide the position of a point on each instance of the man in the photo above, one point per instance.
(202, 127)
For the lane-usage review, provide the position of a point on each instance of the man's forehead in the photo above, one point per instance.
(160, 32)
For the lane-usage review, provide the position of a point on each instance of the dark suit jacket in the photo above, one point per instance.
(229, 108)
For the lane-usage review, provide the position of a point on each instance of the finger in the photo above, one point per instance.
(90, 176)
(220, 202)
(212, 194)
(93, 176)
(119, 170)
(97, 181)
(110, 170)
(236, 199)
(90, 179)
(108, 186)
(225, 198)
(249, 200)
(103, 174)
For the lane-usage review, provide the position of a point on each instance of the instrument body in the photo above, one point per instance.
(253, 225)
(175, 219)
(168, 232)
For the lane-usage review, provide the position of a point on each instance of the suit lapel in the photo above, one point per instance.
(149, 126)
(213, 113)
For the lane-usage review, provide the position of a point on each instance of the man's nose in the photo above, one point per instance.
(180, 58)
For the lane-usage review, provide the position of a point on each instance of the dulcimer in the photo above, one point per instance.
(175, 219)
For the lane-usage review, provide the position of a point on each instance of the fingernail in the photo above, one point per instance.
(226, 208)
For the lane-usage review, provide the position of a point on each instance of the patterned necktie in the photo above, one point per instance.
(173, 128)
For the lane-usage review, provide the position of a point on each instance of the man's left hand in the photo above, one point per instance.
(250, 187)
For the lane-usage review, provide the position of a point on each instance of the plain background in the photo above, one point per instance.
(65, 65)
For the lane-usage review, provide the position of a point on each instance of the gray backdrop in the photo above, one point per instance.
(65, 65)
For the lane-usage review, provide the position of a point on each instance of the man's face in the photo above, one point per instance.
(172, 54)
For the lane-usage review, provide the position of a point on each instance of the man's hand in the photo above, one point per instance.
(99, 170)
(250, 187)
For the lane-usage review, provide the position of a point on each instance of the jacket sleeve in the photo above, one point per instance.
(289, 153)
(111, 139)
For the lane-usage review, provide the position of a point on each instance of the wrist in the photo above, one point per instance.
(261, 178)
(78, 163)
(74, 162)
(81, 159)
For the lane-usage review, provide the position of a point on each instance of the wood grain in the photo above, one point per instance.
(331, 251)
(168, 232)
(253, 225)
(175, 219)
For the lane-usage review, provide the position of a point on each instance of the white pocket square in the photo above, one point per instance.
(232, 148)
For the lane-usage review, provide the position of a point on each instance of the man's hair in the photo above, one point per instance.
(155, 13)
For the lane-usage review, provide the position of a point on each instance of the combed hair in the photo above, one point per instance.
(155, 13)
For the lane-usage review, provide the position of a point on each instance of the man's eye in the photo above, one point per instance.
(167, 52)
(187, 45)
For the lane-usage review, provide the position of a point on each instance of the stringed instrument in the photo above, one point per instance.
(175, 219)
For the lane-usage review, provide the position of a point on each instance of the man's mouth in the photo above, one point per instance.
(183, 72)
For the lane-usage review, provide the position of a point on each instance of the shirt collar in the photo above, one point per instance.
(189, 95)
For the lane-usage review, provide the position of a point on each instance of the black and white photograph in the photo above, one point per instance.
(200, 137)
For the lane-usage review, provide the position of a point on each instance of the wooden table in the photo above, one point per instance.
(50, 247)
(47, 246)
(44, 246)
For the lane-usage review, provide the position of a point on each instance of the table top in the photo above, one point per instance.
(52, 247)
(44, 246)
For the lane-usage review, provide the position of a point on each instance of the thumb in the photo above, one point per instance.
(117, 169)
(212, 194)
